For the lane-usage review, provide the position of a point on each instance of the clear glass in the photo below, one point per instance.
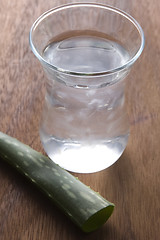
(86, 51)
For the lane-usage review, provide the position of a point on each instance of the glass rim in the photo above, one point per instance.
(84, 74)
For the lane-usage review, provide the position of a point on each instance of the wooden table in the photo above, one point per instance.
(133, 183)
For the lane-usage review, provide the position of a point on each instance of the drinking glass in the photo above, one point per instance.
(86, 51)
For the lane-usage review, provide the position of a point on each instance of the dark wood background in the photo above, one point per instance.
(133, 183)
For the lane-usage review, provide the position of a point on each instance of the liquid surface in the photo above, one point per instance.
(87, 54)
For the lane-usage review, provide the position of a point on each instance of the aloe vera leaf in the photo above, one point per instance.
(85, 207)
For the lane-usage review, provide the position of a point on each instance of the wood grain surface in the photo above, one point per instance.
(133, 183)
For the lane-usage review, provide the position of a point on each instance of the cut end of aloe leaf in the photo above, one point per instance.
(98, 219)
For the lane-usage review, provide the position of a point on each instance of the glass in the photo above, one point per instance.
(86, 51)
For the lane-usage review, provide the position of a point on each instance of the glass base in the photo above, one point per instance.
(85, 158)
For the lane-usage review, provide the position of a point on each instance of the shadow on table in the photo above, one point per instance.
(122, 178)
(122, 173)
